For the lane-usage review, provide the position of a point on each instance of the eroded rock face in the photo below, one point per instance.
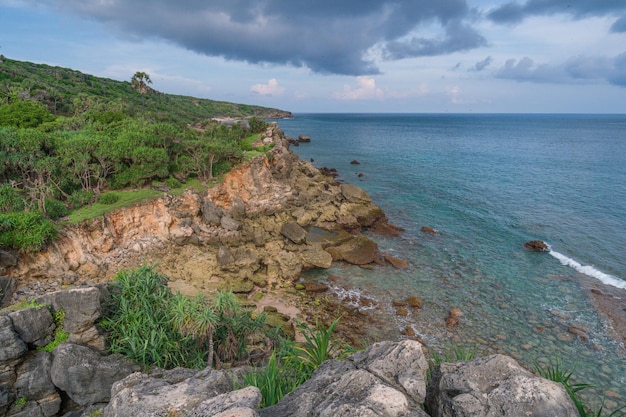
(494, 386)
(254, 226)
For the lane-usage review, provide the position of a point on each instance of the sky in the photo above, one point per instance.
(348, 56)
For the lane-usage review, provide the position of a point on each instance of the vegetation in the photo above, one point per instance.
(59, 335)
(68, 139)
(152, 326)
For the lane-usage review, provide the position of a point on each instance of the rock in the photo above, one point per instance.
(396, 262)
(33, 382)
(358, 251)
(7, 259)
(7, 397)
(12, 346)
(408, 331)
(304, 139)
(354, 194)
(402, 312)
(387, 379)
(316, 257)
(293, 232)
(237, 209)
(8, 285)
(211, 214)
(354, 162)
(229, 223)
(536, 245)
(494, 386)
(81, 305)
(582, 335)
(242, 403)
(315, 287)
(453, 317)
(86, 376)
(398, 303)
(165, 393)
(34, 325)
(224, 257)
(429, 230)
(414, 301)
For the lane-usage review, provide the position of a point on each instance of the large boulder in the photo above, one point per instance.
(34, 325)
(355, 194)
(34, 383)
(164, 393)
(387, 379)
(241, 403)
(358, 251)
(81, 306)
(85, 375)
(12, 346)
(494, 386)
(316, 257)
(293, 232)
(8, 285)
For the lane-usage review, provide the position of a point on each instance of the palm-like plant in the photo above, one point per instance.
(140, 83)
(196, 319)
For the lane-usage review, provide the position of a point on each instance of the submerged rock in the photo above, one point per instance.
(536, 245)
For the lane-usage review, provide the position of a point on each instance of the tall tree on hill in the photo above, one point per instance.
(140, 83)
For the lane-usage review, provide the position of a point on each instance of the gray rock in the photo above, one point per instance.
(494, 386)
(141, 395)
(12, 346)
(229, 223)
(6, 398)
(355, 194)
(211, 214)
(293, 232)
(8, 285)
(34, 383)
(316, 257)
(7, 259)
(241, 403)
(360, 250)
(237, 209)
(34, 325)
(224, 257)
(362, 385)
(81, 305)
(86, 376)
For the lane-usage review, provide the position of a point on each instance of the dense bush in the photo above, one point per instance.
(24, 114)
(152, 326)
(10, 199)
(108, 198)
(27, 231)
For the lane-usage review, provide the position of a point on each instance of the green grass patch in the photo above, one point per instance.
(126, 199)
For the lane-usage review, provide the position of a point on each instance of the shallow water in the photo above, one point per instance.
(489, 183)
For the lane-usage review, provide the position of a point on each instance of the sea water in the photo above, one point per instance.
(488, 184)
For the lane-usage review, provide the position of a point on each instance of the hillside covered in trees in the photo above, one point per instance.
(67, 139)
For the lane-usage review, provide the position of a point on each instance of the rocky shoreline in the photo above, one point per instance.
(269, 220)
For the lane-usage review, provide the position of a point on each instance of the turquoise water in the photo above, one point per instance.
(488, 184)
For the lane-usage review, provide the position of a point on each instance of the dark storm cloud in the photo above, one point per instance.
(327, 36)
(579, 69)
(514, 12)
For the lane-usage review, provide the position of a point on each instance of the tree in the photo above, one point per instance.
(140, 83)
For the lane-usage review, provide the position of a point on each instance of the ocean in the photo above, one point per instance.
(488, 184)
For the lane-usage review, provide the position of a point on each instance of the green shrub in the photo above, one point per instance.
(28, 231)
(10, 199)
(59, 335)
(172, 183)
(108, 198)
(24, 114)
(55, 209)
(80, 198)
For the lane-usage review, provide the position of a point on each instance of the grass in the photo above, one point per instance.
(59, 335)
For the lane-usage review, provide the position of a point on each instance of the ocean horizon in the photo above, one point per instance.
(489, 183)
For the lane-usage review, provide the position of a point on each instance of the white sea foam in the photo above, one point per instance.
(589, 270)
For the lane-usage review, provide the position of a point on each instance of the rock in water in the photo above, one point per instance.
(453, 317)
(536, 245)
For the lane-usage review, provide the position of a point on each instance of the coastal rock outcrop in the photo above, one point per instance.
(250, 230)
(537, 246)
(494, 386)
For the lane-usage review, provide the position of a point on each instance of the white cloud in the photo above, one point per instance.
(270, 89)
(365, 90)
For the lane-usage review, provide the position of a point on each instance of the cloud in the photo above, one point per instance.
(619, 26)
(365, 90)
(579, 69)
(325, 36)
(270, 89)
(458, 37)
(514, 12)
(481, 65)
